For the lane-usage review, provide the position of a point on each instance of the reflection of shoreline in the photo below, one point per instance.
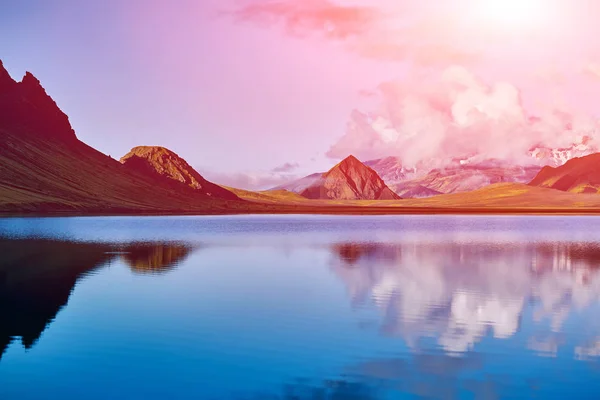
(460, 292)
(37, 277)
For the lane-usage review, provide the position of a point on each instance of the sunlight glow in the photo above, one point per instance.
(511, 12)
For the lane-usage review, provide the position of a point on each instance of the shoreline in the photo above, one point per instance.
(335, 210)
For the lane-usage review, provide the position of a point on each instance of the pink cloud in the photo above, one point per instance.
(308, 17)
(286, 167)
(366, 29)
(457, 115)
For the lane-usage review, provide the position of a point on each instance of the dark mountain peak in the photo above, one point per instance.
(31, 81)
(26, 108)
(5, 78)
(157, 161)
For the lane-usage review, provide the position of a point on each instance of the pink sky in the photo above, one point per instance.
(253, 92)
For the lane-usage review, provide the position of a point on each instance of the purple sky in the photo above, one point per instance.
(253, 92)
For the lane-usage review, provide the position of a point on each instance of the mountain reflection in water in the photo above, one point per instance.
(303, 317)
(154, 258)
(37, 277)
(458, 292)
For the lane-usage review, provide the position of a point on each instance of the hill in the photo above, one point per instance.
(162, 164)
(578, 175)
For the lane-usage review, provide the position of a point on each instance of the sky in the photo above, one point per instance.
(253, 93)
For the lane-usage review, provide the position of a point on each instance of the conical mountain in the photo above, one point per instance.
(349, 180)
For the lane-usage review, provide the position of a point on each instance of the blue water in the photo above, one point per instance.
(300, 307)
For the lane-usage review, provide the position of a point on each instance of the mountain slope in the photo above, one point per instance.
(161, 163)
(578, 175)
(27, 109)
(349, 180)
(45, 168)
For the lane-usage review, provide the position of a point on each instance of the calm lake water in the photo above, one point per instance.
(300, 307)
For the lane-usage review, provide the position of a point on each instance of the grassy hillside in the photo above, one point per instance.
(45, 175)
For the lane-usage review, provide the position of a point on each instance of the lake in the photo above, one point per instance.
(300, 307)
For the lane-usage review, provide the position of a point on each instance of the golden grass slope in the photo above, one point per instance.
(39, 175)
(500, 196)
(270, 196)
(508, 195)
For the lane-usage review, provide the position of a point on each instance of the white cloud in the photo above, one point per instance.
(426, 120)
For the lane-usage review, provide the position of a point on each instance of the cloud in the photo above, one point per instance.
(368, 31)
(287, 167)
(454, 115)
(250, 181)
(309, 17)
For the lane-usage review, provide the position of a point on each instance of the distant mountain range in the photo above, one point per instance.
(456, 177)
(45, 168)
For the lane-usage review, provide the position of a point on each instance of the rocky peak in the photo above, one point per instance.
(352, 166)
(26, 109)
(157, 161)
(350, 162)
(31, 82)
(5, 80)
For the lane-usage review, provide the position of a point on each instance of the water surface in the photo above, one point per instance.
(300, 307)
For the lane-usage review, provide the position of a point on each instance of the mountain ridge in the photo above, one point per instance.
(45, 168)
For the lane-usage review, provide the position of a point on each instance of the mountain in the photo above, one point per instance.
(348, 180)
(578, 175)
(27, 109)
(460, 175)
(464, 178)
(163, 164)
(44, 167)
(558, 156)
